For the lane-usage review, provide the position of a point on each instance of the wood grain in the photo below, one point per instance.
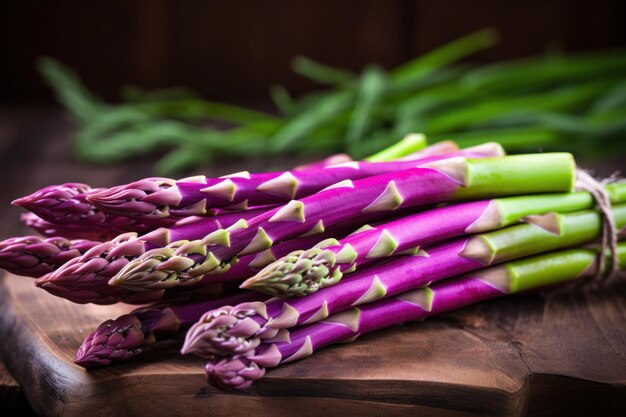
(562, 354)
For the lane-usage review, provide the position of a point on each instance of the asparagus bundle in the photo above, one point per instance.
(158, 198)
(351, 203)
(129, 335)
(304, 272)
(401, 268)
(240, 370)
(542, 234)
(79, 280)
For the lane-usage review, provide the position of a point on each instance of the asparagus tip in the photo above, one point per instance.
(298, 273)
(237, 372)
(113, 340)
(21, 201)
(143, 273)
(232, 373)
(54, 200)
(167, 267)
(227, 330)
(149, 198)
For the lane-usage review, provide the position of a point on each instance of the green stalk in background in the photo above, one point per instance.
(407, 145)
(557, 101)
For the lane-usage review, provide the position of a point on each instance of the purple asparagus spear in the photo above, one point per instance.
(67, 204)
(405, 273)
(35, 256)
(304, 272)
(353, 203)
(84, 279)
(240, 370)
(158, 198)
(129, 335)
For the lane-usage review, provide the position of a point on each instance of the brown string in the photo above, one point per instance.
(609, 236)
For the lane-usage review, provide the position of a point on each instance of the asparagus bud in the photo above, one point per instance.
(35, 256)
(67, 204)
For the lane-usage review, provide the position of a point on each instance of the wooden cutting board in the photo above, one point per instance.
(560, 354)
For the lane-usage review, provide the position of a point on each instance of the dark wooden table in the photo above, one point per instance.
(529, 355)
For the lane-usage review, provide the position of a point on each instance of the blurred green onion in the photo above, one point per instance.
(574, 102)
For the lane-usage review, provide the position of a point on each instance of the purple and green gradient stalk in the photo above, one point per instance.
(352, 203)
(129, 335)
(439, 148)
(66, 204)
(406, 273)
(412, 146)
(239, 371)
(304, 272)
(158, 198)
